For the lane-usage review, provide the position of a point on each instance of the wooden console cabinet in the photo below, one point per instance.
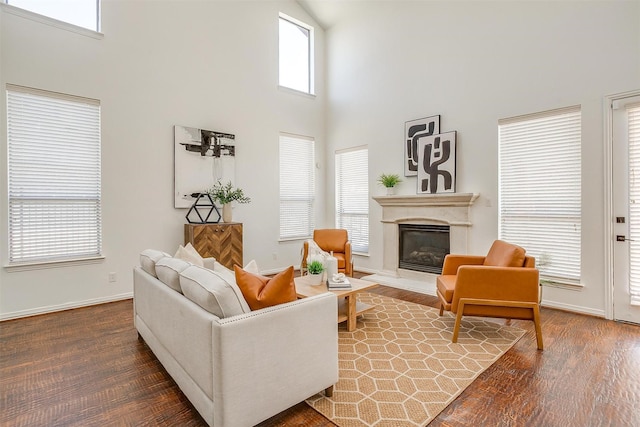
(222, 241)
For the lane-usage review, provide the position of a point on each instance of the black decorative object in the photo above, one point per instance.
(205, 203)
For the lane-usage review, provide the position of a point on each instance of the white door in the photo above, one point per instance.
(626, 208)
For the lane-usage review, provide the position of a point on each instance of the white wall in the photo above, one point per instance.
(212, 65)
(474, 63)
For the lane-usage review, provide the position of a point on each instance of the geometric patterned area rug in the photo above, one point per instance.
(400, 368)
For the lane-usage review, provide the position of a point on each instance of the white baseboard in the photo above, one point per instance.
(66, 306)
(573, 308)
(418, 286)
(428, 288)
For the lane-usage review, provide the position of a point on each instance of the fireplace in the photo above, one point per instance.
(451, 210)
(422, 247)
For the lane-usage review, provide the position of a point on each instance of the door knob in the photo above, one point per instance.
(620, 238)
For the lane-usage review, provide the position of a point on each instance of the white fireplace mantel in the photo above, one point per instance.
(444, 199)
(447, 208)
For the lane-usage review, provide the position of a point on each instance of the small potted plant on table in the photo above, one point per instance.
(315, 269)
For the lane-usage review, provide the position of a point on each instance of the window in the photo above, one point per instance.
(633, 112)
(540, 189)
(296, 54)
(83, 13)
(54, 176)
(297, 187)
(352, 196)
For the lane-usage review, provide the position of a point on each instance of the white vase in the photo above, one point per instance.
(391, 191)
(227, 213)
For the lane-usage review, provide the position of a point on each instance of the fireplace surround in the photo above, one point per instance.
(446, 209)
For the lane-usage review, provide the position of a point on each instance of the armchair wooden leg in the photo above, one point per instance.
(456, 326)
(328, 391)
(441, 308)
(536, 322)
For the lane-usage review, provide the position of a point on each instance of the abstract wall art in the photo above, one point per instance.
(202, 157)
(414, 132)
(437, 163)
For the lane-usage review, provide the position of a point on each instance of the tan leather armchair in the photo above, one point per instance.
(332, 239)
(503, 284)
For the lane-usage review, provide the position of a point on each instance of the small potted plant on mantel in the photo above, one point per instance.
(225, 194)
(315, 269)
(389, 181)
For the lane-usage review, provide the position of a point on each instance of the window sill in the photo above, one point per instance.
(29, 266)
(296, 92)
(294, 239)
(36, 17)
(561, 285)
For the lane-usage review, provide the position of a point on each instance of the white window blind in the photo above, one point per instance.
(634, 203)
(297, 186)
(352, 196)
(540, 189)
(54, 176)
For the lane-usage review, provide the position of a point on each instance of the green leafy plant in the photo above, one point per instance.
(390, 180)
(226, 193)
(315, 267)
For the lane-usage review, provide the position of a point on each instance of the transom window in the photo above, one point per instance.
(83, 13)
(296, 55)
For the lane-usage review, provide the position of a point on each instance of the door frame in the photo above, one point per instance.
(609, 239)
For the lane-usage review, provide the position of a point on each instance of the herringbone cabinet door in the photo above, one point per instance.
(222, 241)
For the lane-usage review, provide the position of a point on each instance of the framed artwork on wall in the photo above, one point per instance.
(414, 132)
(437, 164)
(201, 158)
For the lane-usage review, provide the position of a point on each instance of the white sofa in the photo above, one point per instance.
(241, 369)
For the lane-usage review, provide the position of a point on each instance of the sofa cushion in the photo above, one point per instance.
(168, 270)
(148, 259)
(261, 292)
(211, 291)
(503, 254)
(189, 253)
(230, 277)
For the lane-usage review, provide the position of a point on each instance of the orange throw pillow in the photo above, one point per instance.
(261, 292)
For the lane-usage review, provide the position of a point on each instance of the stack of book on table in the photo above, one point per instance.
(333, 285)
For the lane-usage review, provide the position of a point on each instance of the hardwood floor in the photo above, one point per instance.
(86, 367)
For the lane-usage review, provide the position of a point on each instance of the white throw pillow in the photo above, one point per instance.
(252, 267)
(189, 253)
(211, 291)
(148, 259)
(168, 270)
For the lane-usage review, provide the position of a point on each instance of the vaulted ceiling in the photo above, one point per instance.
(328, 12)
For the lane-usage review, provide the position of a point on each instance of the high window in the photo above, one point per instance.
(297, 187)
(296, 54)
(54, 176)
(352, 196)
(83, 13)
(540, 189)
